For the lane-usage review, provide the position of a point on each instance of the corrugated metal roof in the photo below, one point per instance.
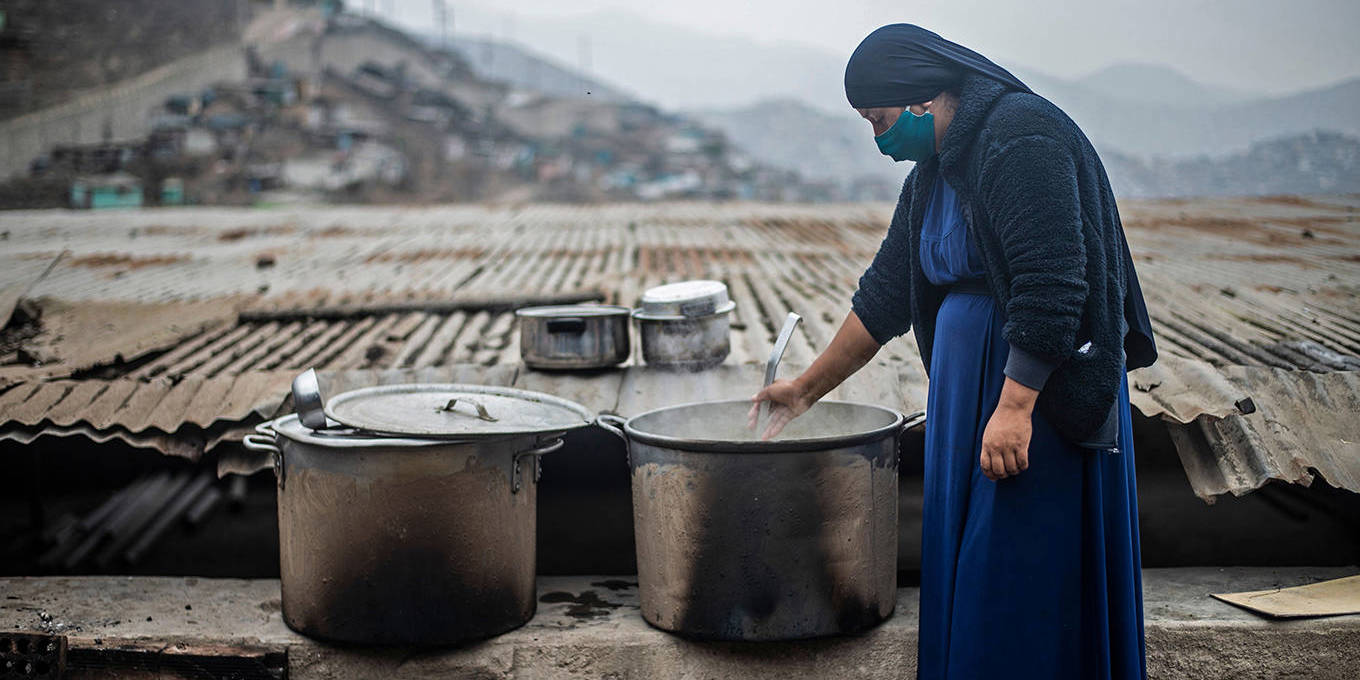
(1237, 427)
(1267, 284)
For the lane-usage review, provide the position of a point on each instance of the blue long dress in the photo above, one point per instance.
(1033, 576)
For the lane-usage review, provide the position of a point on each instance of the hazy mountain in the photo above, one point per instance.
(1142, 127)
(528, 69)
(790, 134)
(1157, 84)
(1313, 163)
(1148, 128)
(676, 67)
(1135, 109)
(795, 116)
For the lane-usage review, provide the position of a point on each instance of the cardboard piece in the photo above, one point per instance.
(1326, 598)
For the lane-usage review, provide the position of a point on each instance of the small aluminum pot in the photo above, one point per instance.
(404, 541)
(573, 337)
(691, 344)
(685, 325)
(742, 539)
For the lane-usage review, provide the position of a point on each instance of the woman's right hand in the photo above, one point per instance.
(850, 349)
(787, 400)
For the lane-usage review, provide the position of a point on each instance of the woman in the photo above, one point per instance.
(1007, 257)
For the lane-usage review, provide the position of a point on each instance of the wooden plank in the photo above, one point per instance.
(458, 302)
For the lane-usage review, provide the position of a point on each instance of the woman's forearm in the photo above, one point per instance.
(849, 351)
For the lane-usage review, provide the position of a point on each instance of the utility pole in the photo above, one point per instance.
(441, 15)
(583, 61)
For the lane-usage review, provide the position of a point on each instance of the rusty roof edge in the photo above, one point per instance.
(173, 444)
(1181, 390)
(1236, 428)
(68, 346)
(11, 295)
(261, 398)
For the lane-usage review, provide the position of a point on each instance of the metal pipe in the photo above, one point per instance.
(97, 533)
(56, 552)
(119, 520)
(146, 511)
(236, 492)
(167, 517)
(61, 529)
(68, 539)
(205, 505)
(102, 513)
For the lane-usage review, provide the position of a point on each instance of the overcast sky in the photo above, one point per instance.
(1265, 46)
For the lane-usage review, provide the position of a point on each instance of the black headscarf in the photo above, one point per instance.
(904, 64)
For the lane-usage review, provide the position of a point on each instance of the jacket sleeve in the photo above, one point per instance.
(882, 300)
(1029, 190)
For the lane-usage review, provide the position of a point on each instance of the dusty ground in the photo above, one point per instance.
(590, 627)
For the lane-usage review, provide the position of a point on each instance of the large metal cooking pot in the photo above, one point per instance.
(565, 337)
(685, 325)
(741, 539)
(411, 537)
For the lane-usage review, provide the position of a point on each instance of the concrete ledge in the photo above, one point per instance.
(590, 627)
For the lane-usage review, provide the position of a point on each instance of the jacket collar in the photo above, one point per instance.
(977, 95)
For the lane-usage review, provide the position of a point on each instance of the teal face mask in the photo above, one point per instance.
(911, 138)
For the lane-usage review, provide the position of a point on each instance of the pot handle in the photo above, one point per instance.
(482, 413)
(573, 325)
(535, 452)
(914, 419)
(909, 421)
(266, 443)
(614, 425)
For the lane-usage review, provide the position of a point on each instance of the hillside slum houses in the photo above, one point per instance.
(347, 109)
(177, 331)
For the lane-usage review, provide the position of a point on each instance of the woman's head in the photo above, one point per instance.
(883, 117)
(921, 130)
(902, 67)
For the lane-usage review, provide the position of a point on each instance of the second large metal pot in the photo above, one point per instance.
(739, 539)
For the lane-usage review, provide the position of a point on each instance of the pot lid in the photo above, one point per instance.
(455, 411)
(684, 300)
(571, 311)
(341, 438)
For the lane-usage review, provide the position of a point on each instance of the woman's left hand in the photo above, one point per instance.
(1005, 441)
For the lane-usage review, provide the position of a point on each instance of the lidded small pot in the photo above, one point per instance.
(685, 325)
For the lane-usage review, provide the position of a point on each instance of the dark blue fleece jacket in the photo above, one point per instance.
(1043, 216)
